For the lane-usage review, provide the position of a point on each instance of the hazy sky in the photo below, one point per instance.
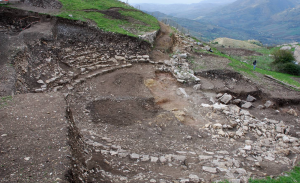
(163, 1)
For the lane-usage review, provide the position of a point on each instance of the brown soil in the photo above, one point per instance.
(113, 12)
(35, 147)
(204, 61)
(121, 112)
(163, 44)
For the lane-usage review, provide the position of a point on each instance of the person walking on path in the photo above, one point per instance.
(254, 64)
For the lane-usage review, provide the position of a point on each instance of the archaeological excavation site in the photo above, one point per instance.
(83, 105)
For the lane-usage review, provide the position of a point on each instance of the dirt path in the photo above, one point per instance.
(33, 139)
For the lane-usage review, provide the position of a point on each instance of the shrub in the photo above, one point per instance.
(283, 62)
(283, 56)
(289, 68)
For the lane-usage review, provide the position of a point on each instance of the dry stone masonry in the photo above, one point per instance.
(51, 64)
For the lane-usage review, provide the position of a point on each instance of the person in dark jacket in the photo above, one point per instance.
(254, 64)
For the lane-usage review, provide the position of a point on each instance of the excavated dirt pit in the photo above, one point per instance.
(228, 81)
(14, 23)
(121, 112)
(163, 144)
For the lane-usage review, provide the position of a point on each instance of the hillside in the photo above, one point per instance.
(249, 13)
(275, 19)
(208, 32)
(189, 11)
(271, 22)
(227, 42)
(108, 15)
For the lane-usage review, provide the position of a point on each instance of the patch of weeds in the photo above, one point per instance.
(171, 54)
(9, 65)
(4, 100)
(195, 39)
(174, 29)
(290, 177)
(191, 60)
(199, 67)
(225, 181)
(199, 50)
(171, 34)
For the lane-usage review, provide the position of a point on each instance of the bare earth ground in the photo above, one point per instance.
(135, 124)
(33, 139)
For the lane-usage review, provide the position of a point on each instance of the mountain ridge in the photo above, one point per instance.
(271, 22)
(191, 11)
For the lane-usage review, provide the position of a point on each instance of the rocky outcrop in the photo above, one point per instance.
(297, 54)
(286, 48)
(150, 37)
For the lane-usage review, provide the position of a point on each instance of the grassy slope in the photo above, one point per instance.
(262, 68)
(248, 70)
(72, 9)
(263, 65)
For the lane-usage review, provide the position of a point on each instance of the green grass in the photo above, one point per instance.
(247, 69)
(194, 38)
(263, 61)
(4, 100)
(140, 21)
(110, 25)
(291, 177)
(151, 21)
(92, 4)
